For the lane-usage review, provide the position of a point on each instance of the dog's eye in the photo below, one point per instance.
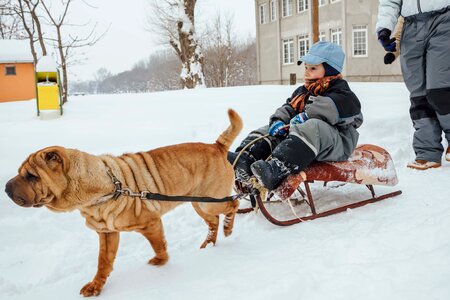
(31, 177)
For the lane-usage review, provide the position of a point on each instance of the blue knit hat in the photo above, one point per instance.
(325, 52)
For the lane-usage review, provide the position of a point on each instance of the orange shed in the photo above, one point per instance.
(17, 81)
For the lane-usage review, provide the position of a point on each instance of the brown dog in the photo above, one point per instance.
(66, 179)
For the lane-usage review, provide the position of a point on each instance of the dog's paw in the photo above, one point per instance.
(227, 231)
(205, 243)
(93, 288)
(157, 261)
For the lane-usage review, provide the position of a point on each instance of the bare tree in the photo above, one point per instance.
(175, 22)
(24, 23)
(10, 23)
(218, 43)
(32, 6)
(228, 61)
(27, 25)
(65, 44)
(243, 64)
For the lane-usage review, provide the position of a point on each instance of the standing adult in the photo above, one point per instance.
(425, 62)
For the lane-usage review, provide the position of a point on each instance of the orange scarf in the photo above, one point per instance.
(315, 88)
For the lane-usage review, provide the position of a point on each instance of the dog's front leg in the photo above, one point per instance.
(154, 233)
(109, 243)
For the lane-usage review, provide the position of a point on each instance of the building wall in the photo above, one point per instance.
(17, 87)
(342, 14)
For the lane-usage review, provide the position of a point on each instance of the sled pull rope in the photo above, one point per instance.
(293, 211)
(251, 143)
(246, 146)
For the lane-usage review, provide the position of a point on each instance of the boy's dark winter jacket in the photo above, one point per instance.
(338, 106)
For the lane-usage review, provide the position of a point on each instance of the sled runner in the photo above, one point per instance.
(369, 165)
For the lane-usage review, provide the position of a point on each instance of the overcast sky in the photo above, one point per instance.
(127, 41)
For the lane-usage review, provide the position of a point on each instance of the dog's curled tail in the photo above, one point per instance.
(227, 137)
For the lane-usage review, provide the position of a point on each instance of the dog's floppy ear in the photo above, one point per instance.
(54, 158)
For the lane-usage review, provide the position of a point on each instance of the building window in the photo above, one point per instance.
(336, 36)
(263, 13)
(322, 36)
(303, 5)
(287, 8)
(303, 45)
(359, 41)
(333, 1)
(273, 10)
(10, 70)
(322, 2)
(288, 51)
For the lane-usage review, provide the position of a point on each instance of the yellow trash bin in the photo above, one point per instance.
(48, 92)
(48, 96)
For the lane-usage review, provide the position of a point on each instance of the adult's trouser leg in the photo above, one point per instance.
(438, 69)
(427, 136)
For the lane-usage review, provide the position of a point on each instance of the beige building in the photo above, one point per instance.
(283, 34)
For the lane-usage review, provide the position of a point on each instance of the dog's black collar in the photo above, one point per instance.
(117, 184)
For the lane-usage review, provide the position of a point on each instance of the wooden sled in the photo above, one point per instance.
(369, 165)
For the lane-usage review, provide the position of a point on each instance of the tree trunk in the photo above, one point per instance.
(63, 64)
(189, 52)
(37, 23)
(21, 12)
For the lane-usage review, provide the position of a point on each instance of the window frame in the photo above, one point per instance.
(358, 29)
(303, 38)
(336, 32)
(304, 7)
(288, 42)
(322, 34)
(322, 3)
(273, 10)
(10, 67)
(263, 14)
(288, 9)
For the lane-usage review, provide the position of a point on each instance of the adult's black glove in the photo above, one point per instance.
(389, 58)
(385, 40)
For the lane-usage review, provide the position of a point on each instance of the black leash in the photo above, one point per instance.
(160, 197)
(146, 195)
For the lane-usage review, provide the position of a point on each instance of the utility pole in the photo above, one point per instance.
(315, 20)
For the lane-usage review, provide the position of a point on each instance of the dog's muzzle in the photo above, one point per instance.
(14, 193)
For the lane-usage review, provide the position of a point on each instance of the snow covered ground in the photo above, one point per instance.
(394, 249)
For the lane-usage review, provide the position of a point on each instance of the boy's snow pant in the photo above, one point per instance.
(424, 54)
(313, 140)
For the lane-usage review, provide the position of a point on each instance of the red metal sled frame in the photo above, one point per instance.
(314, 213)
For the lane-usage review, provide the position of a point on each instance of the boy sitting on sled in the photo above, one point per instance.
(318, 122)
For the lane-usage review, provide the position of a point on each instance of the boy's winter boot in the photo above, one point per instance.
(447, 154)
(292, 155)
(270, 173)
(242, 166)
(421, 165)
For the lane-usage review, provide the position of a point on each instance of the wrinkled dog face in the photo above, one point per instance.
(41, 179)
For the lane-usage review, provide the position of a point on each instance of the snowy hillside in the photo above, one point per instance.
(394, 249)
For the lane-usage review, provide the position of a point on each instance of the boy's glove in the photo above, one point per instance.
(299, 119)
(277, 128)
(385, 40)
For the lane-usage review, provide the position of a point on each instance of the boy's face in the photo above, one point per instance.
(314, 72)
